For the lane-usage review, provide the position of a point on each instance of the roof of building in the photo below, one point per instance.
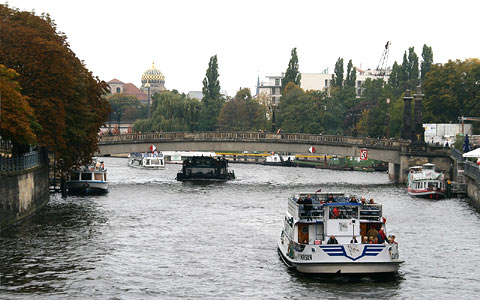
(131, 90)
(115, 80)
(152, 74)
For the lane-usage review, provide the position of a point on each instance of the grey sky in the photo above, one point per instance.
(121, 39)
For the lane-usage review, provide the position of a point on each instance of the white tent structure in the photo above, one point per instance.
(474, 153)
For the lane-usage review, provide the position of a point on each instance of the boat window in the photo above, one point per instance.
(75, 176)
(104, 176)
(86, 176)
(98, 176)
(343, 212)
(155, 162)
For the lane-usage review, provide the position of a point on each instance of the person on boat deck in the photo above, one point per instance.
(305, 241)
(381, 236)
(332, 240)
(354, 240)
(330, 198)
(335, 213)
(363, 200)
(365, 240)
(391, 239)
(371, 201)
(372, 232)
(97, 165)
(353, 199)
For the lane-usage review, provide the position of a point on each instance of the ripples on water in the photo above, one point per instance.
(154, 237)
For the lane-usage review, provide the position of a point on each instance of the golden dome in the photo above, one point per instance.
(153, 75)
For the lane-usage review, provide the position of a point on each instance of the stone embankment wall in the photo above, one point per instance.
(473, 190)
(22, 193)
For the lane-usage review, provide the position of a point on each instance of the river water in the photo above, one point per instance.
(152, 237)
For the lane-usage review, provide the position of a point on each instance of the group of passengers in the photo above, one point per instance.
(330, 199)
(369, 239)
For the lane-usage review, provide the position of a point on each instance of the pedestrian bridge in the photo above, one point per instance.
(387, 150)
(398, 153)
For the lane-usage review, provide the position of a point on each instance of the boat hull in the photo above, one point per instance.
(427, 193)
(339, 267)
(87, 187)
(147, 167)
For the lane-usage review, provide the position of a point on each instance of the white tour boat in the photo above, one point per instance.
(146, 160)
(177, 157)
(311, 225)
(424, 181)
(276, 159)
(88, 179)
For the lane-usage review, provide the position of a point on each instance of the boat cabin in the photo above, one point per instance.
(313, 217)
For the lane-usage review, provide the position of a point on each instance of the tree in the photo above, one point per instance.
(212, 100)
(16, 114)
(124, 107)
(337, 77)
(427, 60)
(242, 113)
(451, 91)
(292, 74)
(351, 75)
(67, 100)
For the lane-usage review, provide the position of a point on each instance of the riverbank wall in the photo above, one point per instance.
(23, 192)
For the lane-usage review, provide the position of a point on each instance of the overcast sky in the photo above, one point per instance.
(120, 39)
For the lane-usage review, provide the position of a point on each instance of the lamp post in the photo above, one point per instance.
(147, 85)
(272, 107)
(387, 118)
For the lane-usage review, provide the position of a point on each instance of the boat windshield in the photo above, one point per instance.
(343, 212)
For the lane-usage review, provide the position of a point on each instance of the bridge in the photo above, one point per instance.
(398, 153)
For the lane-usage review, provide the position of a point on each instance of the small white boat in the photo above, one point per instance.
(177, 157)
(318, 236)
(424, 181)
(89, 179)
(276, 159)
(147, 160)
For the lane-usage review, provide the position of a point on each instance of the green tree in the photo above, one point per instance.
(427, 60)
(451, 91)
(351, 74)
(337, 77)
(124, 107)
(292, 74)
(242, 113)
(212, 100)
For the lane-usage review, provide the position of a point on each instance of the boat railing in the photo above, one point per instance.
(371, 212)
(312, 211)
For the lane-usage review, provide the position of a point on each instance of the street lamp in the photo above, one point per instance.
(147, 85)
(272, 107)
(387, 118)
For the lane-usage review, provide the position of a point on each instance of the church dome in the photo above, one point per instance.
(153, 75)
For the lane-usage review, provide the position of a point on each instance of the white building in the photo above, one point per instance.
(271, 87)
(443, 133)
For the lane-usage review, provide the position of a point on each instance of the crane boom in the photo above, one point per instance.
(382, 64)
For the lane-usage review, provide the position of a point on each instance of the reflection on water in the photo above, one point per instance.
(153, 237)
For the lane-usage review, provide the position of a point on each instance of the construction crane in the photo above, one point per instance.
(463, 119)
(382, 64)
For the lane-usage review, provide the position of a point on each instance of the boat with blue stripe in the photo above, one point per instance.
(328, 233)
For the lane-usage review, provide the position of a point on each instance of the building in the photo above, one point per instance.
(152, 79)
(271, 87)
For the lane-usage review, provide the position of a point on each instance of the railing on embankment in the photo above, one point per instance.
(22, 162)
(254, 137)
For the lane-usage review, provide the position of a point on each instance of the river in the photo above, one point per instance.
(152, 237)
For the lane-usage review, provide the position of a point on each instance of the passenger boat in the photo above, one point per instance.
(90, 179)
(177, 157)
(147, 160)
(313, 218)
(205, 168)
(276, 159)
(424, 181)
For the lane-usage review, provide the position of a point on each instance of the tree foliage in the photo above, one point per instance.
(172, 112)
(427, 60)
(452, 90)
(67, 100)
(351, 75)
(292, 74)
(212, 100)
(242, 113)
(125, 107)
(16, 114)
(337, 77)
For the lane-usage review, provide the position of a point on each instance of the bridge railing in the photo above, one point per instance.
(472, 170)
(21, 162)
(253, 136)
(457, 155)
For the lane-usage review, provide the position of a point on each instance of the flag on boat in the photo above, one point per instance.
(153, 148)
(311, 149)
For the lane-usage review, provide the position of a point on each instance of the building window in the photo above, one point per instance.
(326, 82)
(118, 90)
(359, 83)
(273, 100)
(277, 81)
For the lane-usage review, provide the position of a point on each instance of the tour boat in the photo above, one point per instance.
(278, 160)
(424, 181)
(205, 168)
(177, 157)
(147, 160)
(89, 179)
(311, 222)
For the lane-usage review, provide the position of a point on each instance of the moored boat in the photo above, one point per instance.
(90, 179)
(320, 234)
(424, 181)
(205, 168)
(276, 159)
(147, 160)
